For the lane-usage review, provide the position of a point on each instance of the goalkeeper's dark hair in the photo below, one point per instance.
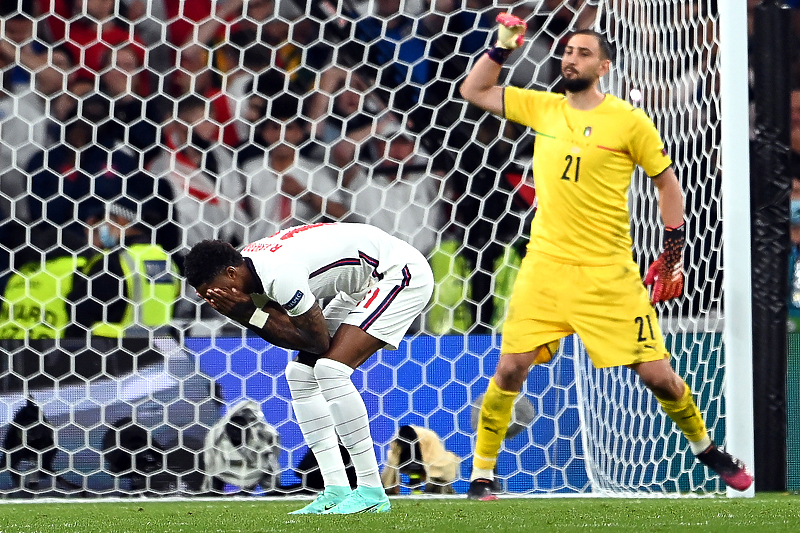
(606, 48)
(207, 259)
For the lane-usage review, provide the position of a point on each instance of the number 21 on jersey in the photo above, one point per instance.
(570, 173)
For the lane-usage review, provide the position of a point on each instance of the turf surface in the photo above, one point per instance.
(766, 513)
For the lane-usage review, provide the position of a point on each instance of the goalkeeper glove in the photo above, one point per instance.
(510, 36)
(666, 272)
(511, 33)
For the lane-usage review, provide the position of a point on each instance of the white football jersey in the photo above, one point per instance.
(299, 266)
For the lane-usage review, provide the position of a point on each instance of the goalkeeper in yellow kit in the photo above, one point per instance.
(578, 275)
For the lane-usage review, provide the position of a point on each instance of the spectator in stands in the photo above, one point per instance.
(65, 104)
(34, 304)
(91, 28)
(210, 62)
(69, 189)
(245, 42)
(206, 23)
(25, 128)
(130, 288)
(400, 193)
(461, 27)
(465, 28)
(253, 112)
(491, 216)
(71, 182)
(208, 191)
(394, 45)
(17, 36)
(296, 52)
(192, 72)
(343, 111)
(149, 24)
(238, 43)
(260, 90)
(247, 59)
(278, 26)
(558, 18)
(284, 188)
(183, 18)
(194, 75)
(136, 118)
(351, 112)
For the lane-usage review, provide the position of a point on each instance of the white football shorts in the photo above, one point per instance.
(389, 307)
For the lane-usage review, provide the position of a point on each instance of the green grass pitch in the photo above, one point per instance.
(766, 513)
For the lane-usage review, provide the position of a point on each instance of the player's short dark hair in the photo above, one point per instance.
(207, 259)
(606, 48)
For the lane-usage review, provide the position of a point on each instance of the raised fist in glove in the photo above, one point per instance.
(511, 32)
(666, 272)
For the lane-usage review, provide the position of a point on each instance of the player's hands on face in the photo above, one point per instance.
(511, 31)
(231, 302)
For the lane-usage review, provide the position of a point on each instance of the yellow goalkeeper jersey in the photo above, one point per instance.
(582, 167)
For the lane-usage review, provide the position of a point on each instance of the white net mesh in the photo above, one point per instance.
(185, 116)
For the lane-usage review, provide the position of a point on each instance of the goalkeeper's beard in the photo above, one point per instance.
(576, 85)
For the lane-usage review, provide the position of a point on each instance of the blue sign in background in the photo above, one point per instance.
(429, 382)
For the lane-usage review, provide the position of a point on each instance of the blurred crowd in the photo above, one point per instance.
(164, 122)
(231, 119)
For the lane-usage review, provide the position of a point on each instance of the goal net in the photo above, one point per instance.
(367, 91)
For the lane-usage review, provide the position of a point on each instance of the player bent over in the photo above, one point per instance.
(578, 275)
(377, 285)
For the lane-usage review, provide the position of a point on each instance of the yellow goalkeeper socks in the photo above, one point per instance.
(493, 423)
(687, 417)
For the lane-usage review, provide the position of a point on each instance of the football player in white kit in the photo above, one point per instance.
(376, 284)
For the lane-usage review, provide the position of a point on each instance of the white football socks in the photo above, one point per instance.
(700, 446)
(350, 416)
(314, 418)
(480, 473)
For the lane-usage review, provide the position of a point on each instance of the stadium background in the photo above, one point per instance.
(485, 198)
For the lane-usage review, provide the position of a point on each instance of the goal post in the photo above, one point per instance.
(465, 197)
(735, 161)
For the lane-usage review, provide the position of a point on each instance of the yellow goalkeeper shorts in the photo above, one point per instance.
(607, 306)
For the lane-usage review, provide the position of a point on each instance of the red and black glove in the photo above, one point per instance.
(666, 272)
(510, 36)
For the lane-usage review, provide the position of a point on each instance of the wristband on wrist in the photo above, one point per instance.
(498, 54)
(258, 318)
(674, 239)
